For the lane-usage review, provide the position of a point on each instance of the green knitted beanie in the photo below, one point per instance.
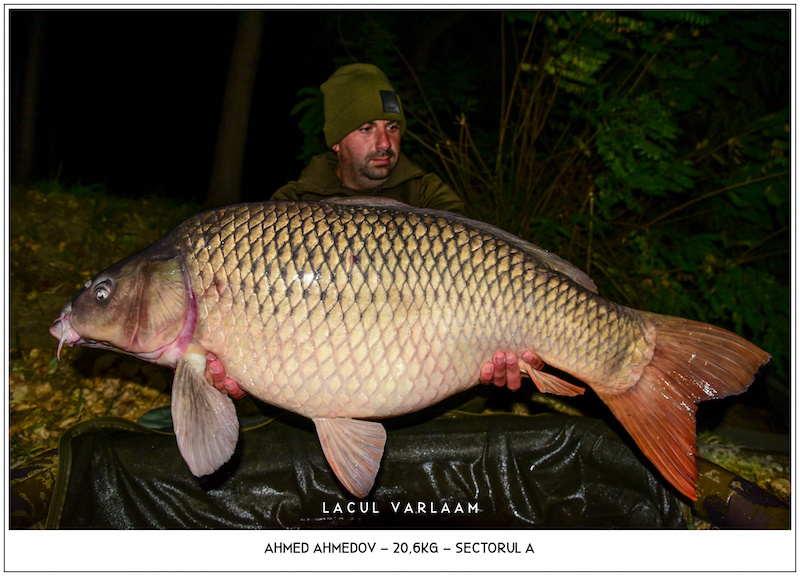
(354, 95)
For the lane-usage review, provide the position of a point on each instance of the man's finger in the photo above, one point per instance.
(513, 376)
(487, 373)
(499, 369)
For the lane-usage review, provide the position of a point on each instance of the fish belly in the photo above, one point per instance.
(345, 311)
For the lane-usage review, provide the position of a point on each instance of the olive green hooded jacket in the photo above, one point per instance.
(407, 183)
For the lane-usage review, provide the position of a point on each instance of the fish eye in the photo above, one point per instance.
(102, 290)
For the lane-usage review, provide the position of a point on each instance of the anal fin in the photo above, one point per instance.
(354, 449)
(550, 383)
(205, 421)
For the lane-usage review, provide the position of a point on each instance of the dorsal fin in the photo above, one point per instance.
(354, 449)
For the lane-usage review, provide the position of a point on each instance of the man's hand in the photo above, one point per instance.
(215, 374)
(504, 369)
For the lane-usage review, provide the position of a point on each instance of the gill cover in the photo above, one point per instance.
(143, 306)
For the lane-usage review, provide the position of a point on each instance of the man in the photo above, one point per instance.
(364, 123)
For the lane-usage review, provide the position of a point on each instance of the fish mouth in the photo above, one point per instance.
(64, 332)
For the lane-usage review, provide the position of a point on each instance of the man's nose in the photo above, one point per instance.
(382, 139)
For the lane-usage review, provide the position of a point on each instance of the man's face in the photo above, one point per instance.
(368, 154)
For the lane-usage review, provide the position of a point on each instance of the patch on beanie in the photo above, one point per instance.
(391, 105)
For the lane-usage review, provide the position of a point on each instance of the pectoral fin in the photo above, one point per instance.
(204, 418)
(354, 449)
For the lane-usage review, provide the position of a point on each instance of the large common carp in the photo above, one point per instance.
(354, 310)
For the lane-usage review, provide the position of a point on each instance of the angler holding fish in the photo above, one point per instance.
(348, 311)
(364, 124)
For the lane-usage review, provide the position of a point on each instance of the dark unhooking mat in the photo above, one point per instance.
(483, 471)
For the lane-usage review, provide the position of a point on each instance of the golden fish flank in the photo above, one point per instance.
(359, 309)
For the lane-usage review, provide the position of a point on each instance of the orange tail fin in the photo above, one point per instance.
(692, 362)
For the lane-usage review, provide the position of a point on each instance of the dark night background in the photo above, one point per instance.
(132, 99)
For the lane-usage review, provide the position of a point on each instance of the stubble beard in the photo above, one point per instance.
(372, 172)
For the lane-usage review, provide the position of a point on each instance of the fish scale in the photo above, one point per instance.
(355, 309)
(407, 298)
